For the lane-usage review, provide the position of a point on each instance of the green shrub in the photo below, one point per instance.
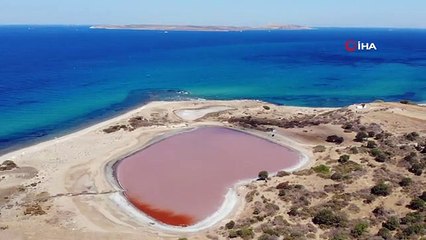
(293, 211)
(263, 175)
(382, 157)
(344, 158)
(385, 233)
(417, 169)
(335, 139)
(266, 107)
(347, 126)
(379, 211)
(375, 152)
(232, 234)
(414, 229)
(361, 136)
(337, 176)
(354, 150)
(392, 223)
(322, 169)
(271, 232)
(359, 229)
(348, 167)
(339, 236)
(412, 136)
(245, 233)
(319, 148)
(371, 144)
(405, 182)
(381, 189)
(417, 204)
(411, 158)
(230, 225)
(371, 134)
(327, 218)
(265, 236)
(412, 217)
(379, 136)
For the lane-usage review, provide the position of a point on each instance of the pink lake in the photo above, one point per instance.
(183, 179)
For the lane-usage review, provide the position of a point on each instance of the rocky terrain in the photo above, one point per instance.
(367, 184)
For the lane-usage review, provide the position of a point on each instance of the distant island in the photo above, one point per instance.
(200, 28)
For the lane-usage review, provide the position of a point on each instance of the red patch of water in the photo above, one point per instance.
(164, 216)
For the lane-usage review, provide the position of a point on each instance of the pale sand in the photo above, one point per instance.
(76, 165)
(194, 114)
(75, 170)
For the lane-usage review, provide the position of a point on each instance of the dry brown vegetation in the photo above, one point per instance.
(366, 180)
(8, 165)
(372, 185)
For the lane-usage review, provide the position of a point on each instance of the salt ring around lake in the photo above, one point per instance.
(189, 181)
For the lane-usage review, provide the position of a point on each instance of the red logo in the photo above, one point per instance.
(351, 45)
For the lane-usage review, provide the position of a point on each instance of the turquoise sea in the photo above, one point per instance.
(55, 79)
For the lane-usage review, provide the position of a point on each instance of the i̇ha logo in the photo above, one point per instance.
(352, 46)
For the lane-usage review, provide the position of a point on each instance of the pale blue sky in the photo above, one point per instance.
(338, 13)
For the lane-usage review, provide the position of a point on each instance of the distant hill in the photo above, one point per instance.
(199, 28)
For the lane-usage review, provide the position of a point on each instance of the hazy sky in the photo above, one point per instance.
(368, 13)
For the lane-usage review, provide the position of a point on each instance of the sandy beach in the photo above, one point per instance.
(64, 188)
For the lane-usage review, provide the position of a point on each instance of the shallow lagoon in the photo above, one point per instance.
(183, 179)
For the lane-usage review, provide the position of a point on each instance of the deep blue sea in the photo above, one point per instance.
(55, 79)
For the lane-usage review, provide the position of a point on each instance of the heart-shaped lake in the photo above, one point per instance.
(183, 179)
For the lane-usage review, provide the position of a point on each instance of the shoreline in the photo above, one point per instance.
(56, 152)
(79, 124)
(70, 178)
(232, 199)
(59, 133)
